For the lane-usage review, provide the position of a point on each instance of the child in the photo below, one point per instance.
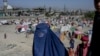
(82, 49)
(72, 41)
(71, 52)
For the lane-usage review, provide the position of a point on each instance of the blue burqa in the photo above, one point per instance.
(46, 43)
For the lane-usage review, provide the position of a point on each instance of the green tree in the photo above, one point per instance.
(63, 13)
(89, 14)
(47, 14)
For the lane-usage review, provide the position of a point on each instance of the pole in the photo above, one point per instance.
(5, 7)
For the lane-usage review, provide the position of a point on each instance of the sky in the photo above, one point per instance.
(71, 4)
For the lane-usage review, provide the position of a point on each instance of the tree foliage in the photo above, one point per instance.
(63, 13)
(89, 14)
(48, 14)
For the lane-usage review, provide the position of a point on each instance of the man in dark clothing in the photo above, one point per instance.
(96, 29)
(46, 43)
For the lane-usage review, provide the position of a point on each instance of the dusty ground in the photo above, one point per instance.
(15, 44)
(18, 44)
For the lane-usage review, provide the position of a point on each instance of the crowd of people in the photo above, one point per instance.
(51, 43)
(64, 27)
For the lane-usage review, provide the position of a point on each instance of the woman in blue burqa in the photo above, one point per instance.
(46, 43)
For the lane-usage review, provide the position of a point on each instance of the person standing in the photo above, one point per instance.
(71, 52)
(71, 42)
(90, 36)
(94, 46)
(18, 28)
(46, 43)
(82, 48)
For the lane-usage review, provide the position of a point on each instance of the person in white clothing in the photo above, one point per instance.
(90, 36)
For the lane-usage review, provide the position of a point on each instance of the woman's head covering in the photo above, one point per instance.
(85, 38)
(46, 43)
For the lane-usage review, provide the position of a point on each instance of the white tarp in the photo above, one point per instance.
(3, 21)
(23, 29)
(64, 28)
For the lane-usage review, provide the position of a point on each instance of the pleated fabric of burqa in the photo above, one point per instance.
(46, 43)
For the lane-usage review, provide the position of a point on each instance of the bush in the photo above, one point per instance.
(89, 14)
